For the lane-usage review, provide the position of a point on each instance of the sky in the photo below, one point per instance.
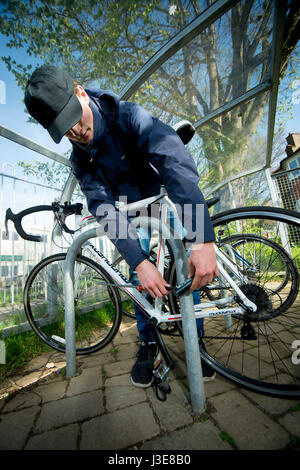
(13, 117)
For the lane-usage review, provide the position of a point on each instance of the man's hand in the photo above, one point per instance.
(151, 279)
(203, 264)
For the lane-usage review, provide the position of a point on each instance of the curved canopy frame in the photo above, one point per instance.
(222, 153)
(266, 90)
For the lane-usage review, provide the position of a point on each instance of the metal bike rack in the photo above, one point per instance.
(186, 302)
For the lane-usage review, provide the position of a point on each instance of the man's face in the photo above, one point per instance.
(83, 131)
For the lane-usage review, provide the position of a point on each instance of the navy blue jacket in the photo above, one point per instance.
(132, 154)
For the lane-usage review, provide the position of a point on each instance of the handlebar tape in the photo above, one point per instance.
(16, 219)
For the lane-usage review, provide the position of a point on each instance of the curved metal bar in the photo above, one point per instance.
(69, 297)
(187, 306)
(183, 37)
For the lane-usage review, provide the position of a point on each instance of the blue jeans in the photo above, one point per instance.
(145, 332)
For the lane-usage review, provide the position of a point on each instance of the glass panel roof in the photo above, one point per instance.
(225, 69)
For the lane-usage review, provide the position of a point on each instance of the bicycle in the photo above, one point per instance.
(253, 255)
(251, 348)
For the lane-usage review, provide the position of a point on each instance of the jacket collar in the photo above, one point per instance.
(100, 124)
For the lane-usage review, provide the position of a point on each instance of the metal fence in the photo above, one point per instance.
(287, 184)
(19, 256)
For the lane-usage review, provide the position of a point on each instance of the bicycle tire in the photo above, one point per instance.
(97, 310)
(259, 263)
(260, 356)
(122, 266)
(286, 259)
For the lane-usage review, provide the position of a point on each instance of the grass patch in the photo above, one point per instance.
(226, 438)
(23, 347)
(20, 349)
(296, 408)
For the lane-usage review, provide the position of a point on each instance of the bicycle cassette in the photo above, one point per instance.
(261, 298)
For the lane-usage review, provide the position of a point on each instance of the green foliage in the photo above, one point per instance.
(288, 87)
(89, 39)
(53, 173)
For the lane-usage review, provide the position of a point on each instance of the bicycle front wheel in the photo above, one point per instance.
(97, 305)
(257, 352)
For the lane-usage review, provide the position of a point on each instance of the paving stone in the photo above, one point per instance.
(175, 411)
(94, 360)
(47, 373)
(291, 422)
(90, 379)
(2, 403)
(120, 429)
(127, 326)
(24, 381)
(59, 439)
(22, 400)
(118, 381)
(199, 436)
(217, 386)
(15, 427)
(52, 391)
(69, 410)
(126, 351)
(128, 330)
(273, 406)
(127, 338)
(37, 362)
(117, 368)
(120, 397)
(248, 426)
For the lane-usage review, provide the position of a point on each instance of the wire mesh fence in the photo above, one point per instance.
(288, 188)
(19, 256)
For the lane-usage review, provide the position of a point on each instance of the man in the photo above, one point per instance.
(120, 149)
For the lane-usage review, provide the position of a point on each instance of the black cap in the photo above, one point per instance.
(50, 99)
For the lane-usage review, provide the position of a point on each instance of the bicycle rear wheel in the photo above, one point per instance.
(97, 305)
(256, 351)
(127, 304)
(266, 264)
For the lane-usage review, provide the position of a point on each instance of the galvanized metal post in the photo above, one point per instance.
(187, 308)
(191, 343)
(68, 283)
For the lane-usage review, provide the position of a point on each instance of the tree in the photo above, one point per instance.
(108, 41)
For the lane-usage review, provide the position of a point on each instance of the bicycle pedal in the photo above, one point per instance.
(161, 390)
(161, 380)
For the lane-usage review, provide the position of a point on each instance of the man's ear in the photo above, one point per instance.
(81, 93)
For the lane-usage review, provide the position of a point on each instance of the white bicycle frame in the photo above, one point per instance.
(203, 310)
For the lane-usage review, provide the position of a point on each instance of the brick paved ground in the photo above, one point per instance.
(100, 409)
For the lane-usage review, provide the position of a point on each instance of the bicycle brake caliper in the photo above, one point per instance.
(161, 380)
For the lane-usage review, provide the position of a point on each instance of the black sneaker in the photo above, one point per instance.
(142, 371)
(207, 372)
